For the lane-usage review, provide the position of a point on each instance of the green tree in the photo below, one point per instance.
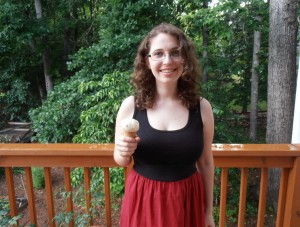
(98, 122)
(18, 61)
(112, 56)
(22, 45)
(230, 26)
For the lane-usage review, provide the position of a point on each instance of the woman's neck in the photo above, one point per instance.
(167, 92)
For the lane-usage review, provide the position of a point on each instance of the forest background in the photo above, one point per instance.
(65, 65)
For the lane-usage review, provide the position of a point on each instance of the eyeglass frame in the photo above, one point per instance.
(164, 56)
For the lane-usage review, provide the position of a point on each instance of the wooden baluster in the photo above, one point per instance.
(292, 205)
(87, 184)
(224, 183)
(67, 177)
(243, 194)
(282, 196)
(49, 192)
(262, 197)
(107, 196)
(125, 170)
(30, 195)
(11, 191)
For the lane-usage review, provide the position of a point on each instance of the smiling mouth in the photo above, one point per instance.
(167, 70)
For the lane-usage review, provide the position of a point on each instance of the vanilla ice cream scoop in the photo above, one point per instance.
(130, 126)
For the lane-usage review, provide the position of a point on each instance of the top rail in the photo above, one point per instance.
(57, 155)
(89, 155)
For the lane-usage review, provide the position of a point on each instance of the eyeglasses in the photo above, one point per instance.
(160, 55)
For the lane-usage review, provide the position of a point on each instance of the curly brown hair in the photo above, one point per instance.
(144, 82)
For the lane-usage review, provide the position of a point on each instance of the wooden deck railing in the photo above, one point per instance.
(243, 156)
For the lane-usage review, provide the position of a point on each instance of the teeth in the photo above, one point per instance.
(167, 71)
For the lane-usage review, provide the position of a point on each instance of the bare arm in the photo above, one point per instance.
(124, 146)
(206, 162)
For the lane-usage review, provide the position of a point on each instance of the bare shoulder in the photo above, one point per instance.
(206, 109)
(127, 107)
(205, 104)
(128, 102)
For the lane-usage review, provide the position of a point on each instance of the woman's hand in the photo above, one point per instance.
(125, 148)
(209, 220)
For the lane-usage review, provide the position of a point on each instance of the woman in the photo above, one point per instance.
(171, 183)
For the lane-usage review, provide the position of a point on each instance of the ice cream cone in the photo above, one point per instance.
(130, 127)
(130, 134)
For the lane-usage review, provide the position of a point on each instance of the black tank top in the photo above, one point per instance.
(168, 155)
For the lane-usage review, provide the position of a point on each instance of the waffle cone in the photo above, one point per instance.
(130, 134)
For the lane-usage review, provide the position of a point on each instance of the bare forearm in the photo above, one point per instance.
(208, 179)
(122, 161)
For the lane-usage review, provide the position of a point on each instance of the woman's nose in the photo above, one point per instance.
(167, 58)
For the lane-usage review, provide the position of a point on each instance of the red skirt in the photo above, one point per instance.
(151, 203)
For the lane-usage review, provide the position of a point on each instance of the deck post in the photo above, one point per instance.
(292, 205)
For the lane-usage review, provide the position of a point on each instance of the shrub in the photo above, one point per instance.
(15, 101)
(81, 108)
(38, 177)
(57, 120)
(98, 121)
(5, 219)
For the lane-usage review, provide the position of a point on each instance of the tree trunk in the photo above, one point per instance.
(46, 59)
(296, 123)
(281, 70)
(281, 80)
(75, 15)
(39, 83)
(46, 63)
(254, 85)
(40, 88)
(67, 44)
(90, 33)
(205, 45)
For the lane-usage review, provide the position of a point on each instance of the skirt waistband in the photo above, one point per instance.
(164, 173)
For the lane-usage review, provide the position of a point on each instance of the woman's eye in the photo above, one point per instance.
(175, 54)
(158, 54)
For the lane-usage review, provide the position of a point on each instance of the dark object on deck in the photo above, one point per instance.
(16, 132)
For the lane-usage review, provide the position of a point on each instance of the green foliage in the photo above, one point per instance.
(231, 25)
(16, 170)
(97, 182)
(22, 42)
(117, 181)
(225, 119)
(93, 103)
(233, 194)
(97, 193)
(18, 62)
(80, 218)
(38, 177)
(57, 120)
(5, 219)
(16, 100)
(97, 122)
(121, 29)
(64, 218)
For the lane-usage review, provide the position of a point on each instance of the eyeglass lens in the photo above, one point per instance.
(160, 55)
